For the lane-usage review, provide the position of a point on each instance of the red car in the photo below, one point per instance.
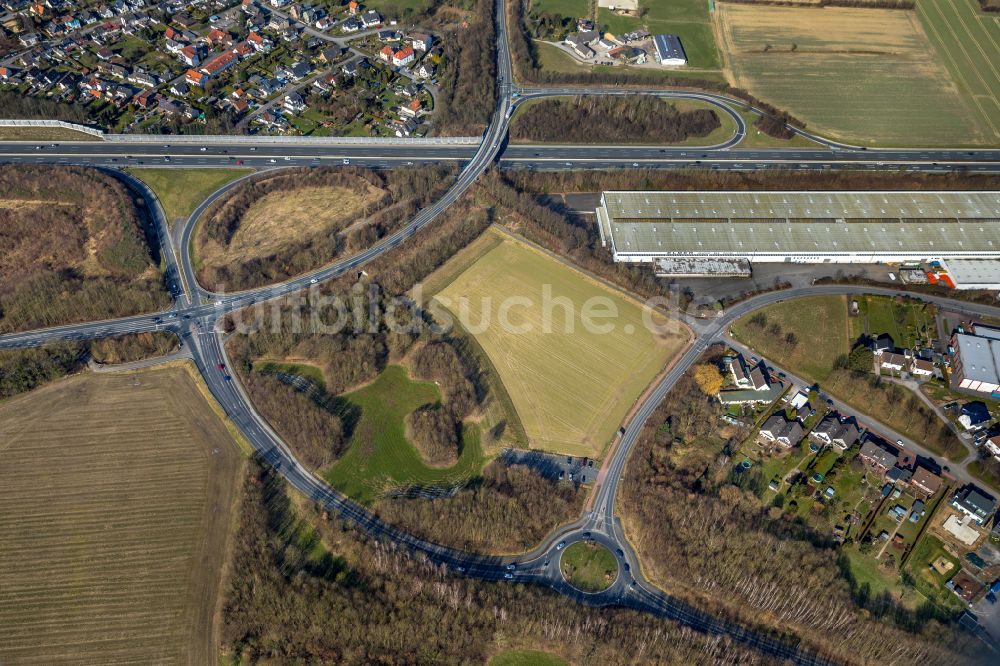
(239, 162)
(222, 366)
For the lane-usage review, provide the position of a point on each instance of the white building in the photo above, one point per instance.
(669, 51)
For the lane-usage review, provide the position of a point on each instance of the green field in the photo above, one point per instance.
(379, 457)
(181, 190)
(527, 658)
(571, 8)
(967, 41)
(820, 324)
(927, 580)
(588, 566)
(570, 383)
(838, 70)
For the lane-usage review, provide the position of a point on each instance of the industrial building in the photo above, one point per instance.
(975, 362)
(669, 51)
(959, 229)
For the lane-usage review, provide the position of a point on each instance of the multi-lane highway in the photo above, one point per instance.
(551, 156)
(196, 313)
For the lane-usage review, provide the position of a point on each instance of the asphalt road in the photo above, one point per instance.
(195, 321)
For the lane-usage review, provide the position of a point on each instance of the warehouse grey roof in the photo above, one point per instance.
(933, 223)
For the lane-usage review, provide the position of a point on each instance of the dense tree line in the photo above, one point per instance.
(466, 94)
(436, 434)
(133, 347)
(22, 370)
(638, 119)
(507, 509)
(526, 65)
(15, 105)
(315, 434)
(715, 544)
(407, 190)
(990, 5)
(307, 589)
(74, 246)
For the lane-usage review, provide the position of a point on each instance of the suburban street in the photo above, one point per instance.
(197, 312)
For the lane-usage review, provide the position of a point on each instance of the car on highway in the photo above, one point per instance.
(899, 442)
(511, 566)
(227, 377)
(508, 575)
(460, 569)
(203, 149)
(222, 366)
(347, 161)
(619, 552)
(239, 162)
(287, 158)
(586, 535)
(560, 545)
(272, 160)
(312, 281)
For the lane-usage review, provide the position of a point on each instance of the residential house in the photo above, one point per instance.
(353, 7)
(782, 431)
(403, 57)
(389, 35)
(411, 90)
(325, 83)
(331, 55)
(403, 127)
(421, 41)
(878, 455)
(892, 361)
(747, 378)
(370, 19)
(218, 37)
(350, 25)
(899, 475)
(974, 415)
(837, 431)
(259, 43)
(146, 99)
(6, 73)
(412, 109)
(270, 86)
(325, 23)
(921, 367)
(974, 503)
(196, 78)
(220, 63)
(293, 103)
(144, 79)
(386, 53)
(925, 481)
(179, 89)
(426, 70)
(882, 344)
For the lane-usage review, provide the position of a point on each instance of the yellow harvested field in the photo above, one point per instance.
(855, 74)
(116, 500)
(571, 381)
(281, 218)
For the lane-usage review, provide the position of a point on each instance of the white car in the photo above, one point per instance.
(203, 149)
(312, 281)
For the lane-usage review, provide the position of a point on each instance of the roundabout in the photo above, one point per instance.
(588, 566)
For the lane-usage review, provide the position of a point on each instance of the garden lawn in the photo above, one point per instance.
(378, 457)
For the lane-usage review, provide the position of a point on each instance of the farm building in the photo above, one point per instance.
(801, 227)
(669, 51)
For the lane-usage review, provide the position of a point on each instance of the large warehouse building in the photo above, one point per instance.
(805, 227)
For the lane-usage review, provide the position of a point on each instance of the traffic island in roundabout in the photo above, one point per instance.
(588, 566)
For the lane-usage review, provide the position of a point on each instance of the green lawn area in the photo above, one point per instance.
(779, 466)
(827, 459)
(819, 324)
(615, 24)
(572, 378)
(866, 570)
(379, 457)
(756, 139)
(927, 580)
(310, 372)
(44, 134)
(571, 8)
(588, 566)
(181, 190)
(908, 322)
(527, 658)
